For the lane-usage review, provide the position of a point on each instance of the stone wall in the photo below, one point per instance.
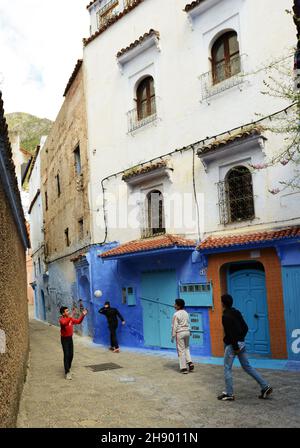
(57, 159)
(13, 315)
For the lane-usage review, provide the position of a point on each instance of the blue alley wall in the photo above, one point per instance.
(111, 276)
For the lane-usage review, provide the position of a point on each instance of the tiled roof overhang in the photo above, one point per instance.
(148, 168)
(137, 42)
(113, 20)
(249, 240)
(150, 245)
(234, 137)
(193, 5)
(8, 178)
(73, 76)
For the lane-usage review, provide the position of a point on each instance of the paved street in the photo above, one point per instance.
(147, 392)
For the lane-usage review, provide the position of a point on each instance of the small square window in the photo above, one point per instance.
(130, 290)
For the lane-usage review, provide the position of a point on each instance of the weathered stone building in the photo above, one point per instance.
(14, 341)
(64, 195)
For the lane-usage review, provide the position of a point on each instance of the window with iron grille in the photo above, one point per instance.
(235, 194)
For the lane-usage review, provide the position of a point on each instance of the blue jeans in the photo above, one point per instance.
(243, 358)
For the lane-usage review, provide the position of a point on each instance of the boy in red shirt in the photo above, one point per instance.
(66, 331)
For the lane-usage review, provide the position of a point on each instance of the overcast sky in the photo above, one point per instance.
(40, 42)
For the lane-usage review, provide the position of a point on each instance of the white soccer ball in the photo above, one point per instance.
(98, 294)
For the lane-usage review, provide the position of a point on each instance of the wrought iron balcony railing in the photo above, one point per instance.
(222, 77)
(137, 119)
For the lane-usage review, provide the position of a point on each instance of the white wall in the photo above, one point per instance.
(36, 215)
(265, 33)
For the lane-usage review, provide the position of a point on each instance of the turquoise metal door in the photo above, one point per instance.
(248, 289)
(291, 291)
(158, 293)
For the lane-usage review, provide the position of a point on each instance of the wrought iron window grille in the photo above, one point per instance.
(236, 199)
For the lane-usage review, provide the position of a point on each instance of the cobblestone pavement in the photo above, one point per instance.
(147, 392)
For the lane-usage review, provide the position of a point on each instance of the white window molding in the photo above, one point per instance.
(151, 41)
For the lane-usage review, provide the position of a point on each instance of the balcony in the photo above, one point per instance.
(223, 77)
(108, 12)
(138, 119)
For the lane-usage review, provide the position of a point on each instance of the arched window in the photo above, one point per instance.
(225, 57)
(239, 192)
(155, 206)
(146, 105)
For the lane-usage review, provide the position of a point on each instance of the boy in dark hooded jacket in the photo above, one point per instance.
(236, 329)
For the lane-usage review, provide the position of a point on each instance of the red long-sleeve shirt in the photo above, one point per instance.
(66, 325)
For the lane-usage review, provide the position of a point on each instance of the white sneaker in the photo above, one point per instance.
(68, 376)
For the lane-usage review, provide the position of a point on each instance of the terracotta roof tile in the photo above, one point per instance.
(193, 5)
(77, 258)
(145, 245)
(249, 238)
(137, 171)
(73, 76)
(113, 20)
(235, 136)
(137, 42)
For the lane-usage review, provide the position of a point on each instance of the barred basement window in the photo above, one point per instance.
(236, 200)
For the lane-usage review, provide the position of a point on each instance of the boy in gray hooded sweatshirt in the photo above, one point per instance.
(181, 333)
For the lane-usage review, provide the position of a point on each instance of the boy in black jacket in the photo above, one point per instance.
(112, 315)
(236, 329)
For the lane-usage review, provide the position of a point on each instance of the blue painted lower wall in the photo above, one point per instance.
(110, 276)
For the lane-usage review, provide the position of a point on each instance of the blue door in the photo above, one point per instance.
(291, 291)
(158, 293)
(248, 289)
(43, 307)
(85, 295)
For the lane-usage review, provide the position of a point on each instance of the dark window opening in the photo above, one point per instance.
(77, 160)
(58, 185)
(67, 238)
(80, 229)
(156, 221)
(46, 200)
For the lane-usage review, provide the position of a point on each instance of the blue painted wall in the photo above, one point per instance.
(111, 276)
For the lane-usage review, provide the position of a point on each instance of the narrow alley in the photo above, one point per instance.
(147, 391)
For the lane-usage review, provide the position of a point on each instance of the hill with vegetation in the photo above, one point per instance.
(29, 127)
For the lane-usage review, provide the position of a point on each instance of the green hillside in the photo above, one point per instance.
(29, 127)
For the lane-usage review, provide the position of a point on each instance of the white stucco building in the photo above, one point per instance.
(174, 93)
(39, 280)
(174, 45)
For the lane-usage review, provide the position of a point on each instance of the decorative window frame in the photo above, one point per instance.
(147, 43)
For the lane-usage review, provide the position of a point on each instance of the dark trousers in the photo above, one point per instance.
(113, 337)
(68, 348)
